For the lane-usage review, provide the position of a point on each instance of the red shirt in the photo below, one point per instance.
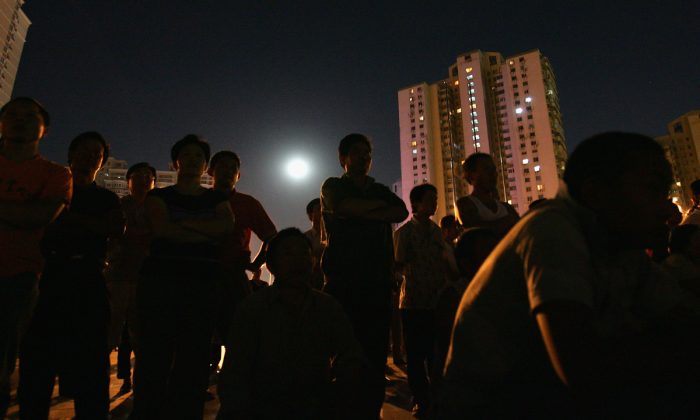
(250, 217)
(24, 182)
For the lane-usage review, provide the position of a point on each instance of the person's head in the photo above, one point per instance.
(473, 247)
(190, 155)
(23, 120)
(450, 228)
(289, 256)
(695, 190)
(87, 153)
(355, 154)
(141, 177)
(423, 200)
(624, 179)
(685, 240)
(313, 210)
(225, 167)
(480, 171)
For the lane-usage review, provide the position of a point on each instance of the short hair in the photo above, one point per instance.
(695, 187)
(679, 239)
(351, 139)
(89, 135)
(448, 221)
(140, 165)
(470, 163)
(186, 141)
(220, 155)
(313, 203)
(418, 192)
(44, 114)
(605, 157)
(274, 245)
(469, 239)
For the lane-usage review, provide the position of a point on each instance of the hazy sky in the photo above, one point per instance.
(270, 80)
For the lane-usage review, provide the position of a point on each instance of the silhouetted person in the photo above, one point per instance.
(33, 191)
(481, 208)
(692, 216)
(421, 254)
(471, 250)
(68, 334)
(179, 282)
(294, 355)
(357, 263)
(450, 229)
(124, 264)
(683, 263)
(313, 211)
(235, 252)
(568, 317)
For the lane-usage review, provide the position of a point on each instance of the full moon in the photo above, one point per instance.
(297, 168)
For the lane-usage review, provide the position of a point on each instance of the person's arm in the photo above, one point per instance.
(157, 214)
(264, 229)
(30, 215)
(213, 228)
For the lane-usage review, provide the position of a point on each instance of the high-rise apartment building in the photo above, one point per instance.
(13, 32)
(506, 107)
(682, 146)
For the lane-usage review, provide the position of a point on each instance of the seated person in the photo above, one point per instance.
(296, 355)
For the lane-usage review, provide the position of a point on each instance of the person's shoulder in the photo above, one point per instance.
(160, 192)
(245, 199)
(332, 182)
(51, 168)
(326, 302)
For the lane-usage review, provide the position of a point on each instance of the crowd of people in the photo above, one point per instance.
(587, 306)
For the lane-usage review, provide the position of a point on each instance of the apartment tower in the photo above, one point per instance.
(506, 107)
(13, 31)
(682, 146)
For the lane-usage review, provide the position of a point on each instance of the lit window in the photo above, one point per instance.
(413, 143)
(469, 69)
(526, 161)
(537, 168)
(471, 91)
(456, 82)
(473, 106)
(510, 62)
(411, 99)
(421, 118)
(510, 202)
(411, 90)
(473, 113)
(678, 183)
(415, 151)
(528, 99)
(518, 110)
(540, 187)
(470, 77)
(478, 144)
(459, 110)
(476, 137)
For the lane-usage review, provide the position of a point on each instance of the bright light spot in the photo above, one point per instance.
(528, 99)
(678, 183)
(674, 199)
(297, 168)
(526, 161)
(469, 69)
(518, 110)
(537, 168)
(421, 118)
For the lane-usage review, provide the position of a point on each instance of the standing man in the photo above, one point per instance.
(68, 334)
(250, 216)
(125, 262)
(33, 191)
(357, 216)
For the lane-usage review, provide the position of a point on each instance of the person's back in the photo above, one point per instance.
(567, 314)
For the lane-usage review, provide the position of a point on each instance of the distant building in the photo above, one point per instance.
(506, 107)
(113, 177)
(14, 25)
(682, 146)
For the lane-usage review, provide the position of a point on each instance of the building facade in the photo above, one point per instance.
(682, 146)
(506, 107)
(14, 25)
(112, 176)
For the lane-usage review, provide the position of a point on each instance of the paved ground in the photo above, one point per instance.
(396, 406)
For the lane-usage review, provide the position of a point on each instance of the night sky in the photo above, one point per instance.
(271, 80)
